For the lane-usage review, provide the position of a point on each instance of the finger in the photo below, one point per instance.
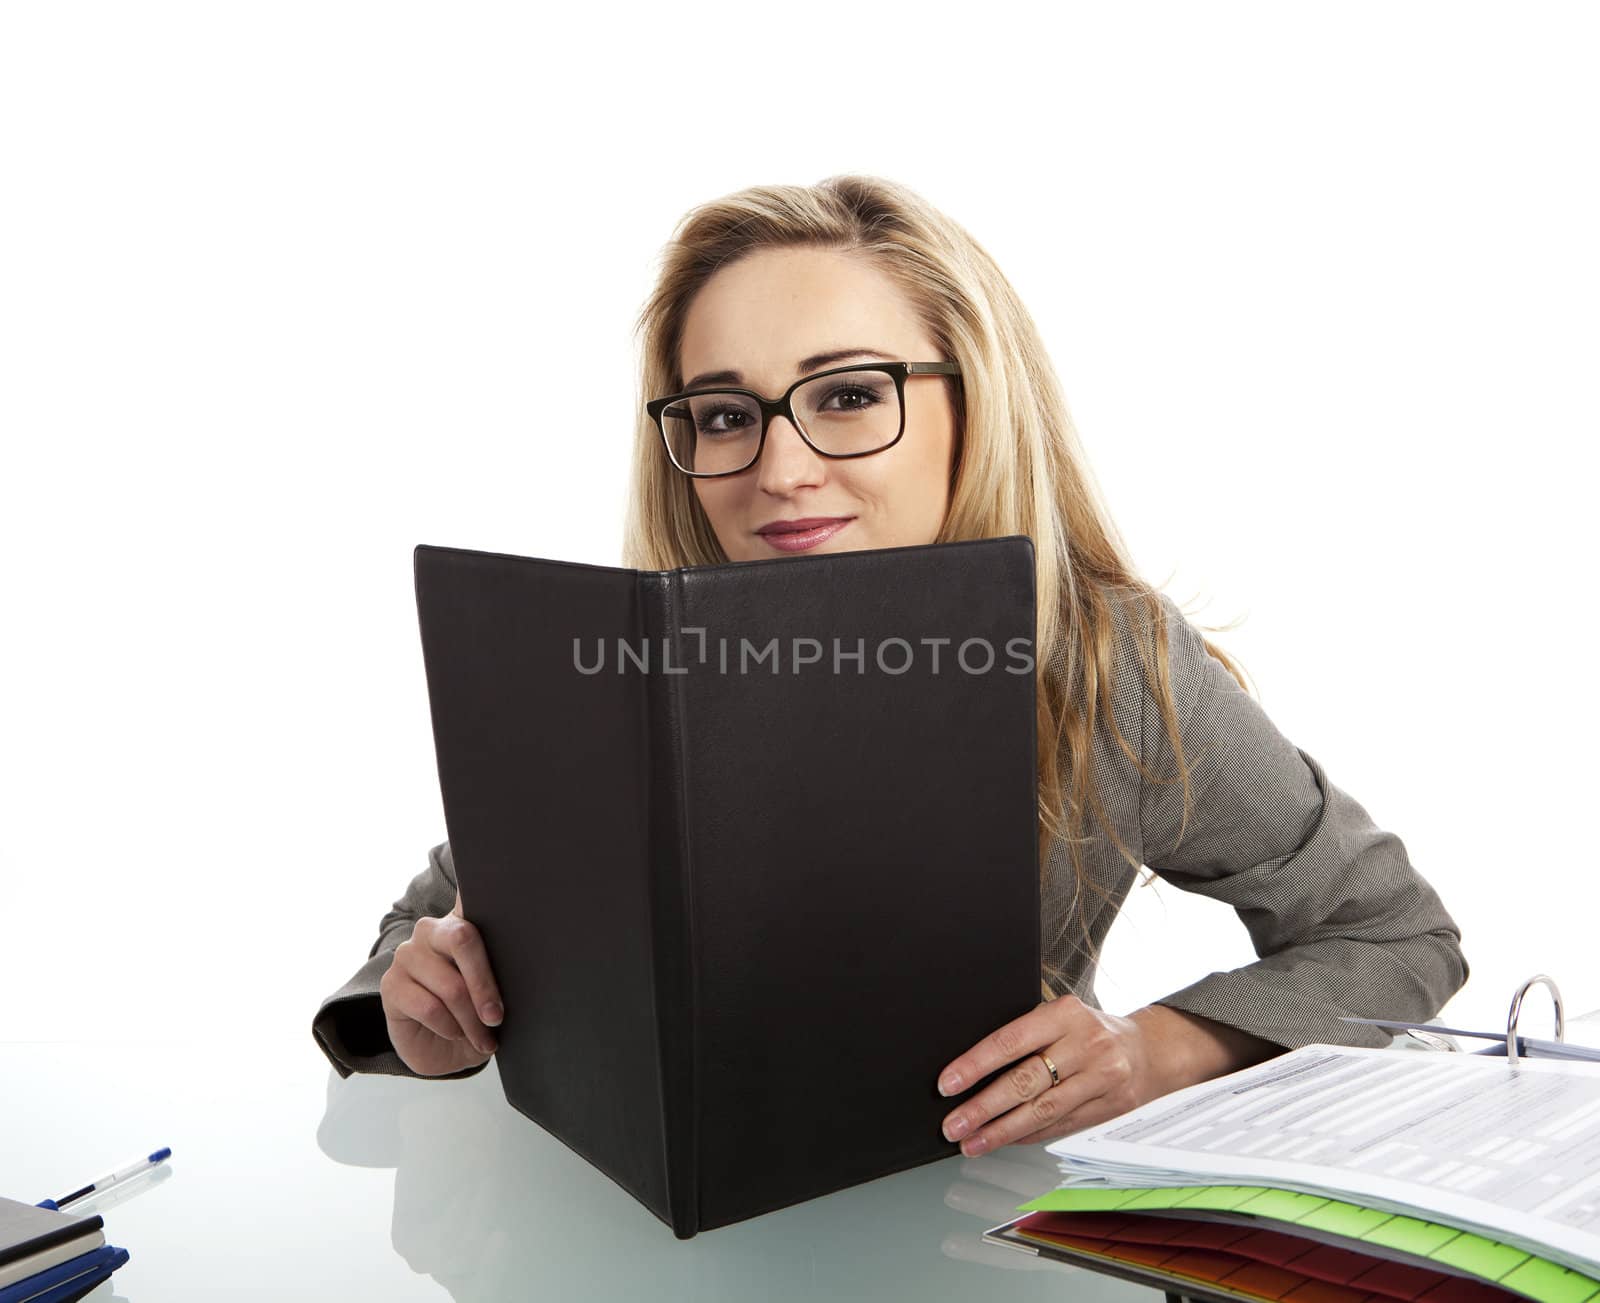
(1033, 1031)
(1046, 1113)
(405, 998)
(1042, 1136)
(1021, 1082)
(440, 976)
(1068, 1107)
(464, 944)
(1100, 1109)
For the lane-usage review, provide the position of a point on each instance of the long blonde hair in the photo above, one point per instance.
(1020, 466)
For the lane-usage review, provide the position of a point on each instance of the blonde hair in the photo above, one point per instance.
(1020, 466)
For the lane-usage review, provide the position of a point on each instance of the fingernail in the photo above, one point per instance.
(949, 1083)
(492, 1013)
(976, 1145)
(955, 1128)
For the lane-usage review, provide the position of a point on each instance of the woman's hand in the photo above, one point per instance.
(438, 994)
(1107, 1064)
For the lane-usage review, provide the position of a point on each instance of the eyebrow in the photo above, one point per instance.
(806, 365)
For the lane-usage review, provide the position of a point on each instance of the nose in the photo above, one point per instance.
(787, 460)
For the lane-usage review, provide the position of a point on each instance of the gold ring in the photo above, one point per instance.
(1055, 1077)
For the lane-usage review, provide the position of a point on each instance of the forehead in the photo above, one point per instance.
(762, 314)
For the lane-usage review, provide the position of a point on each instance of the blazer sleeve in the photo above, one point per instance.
(349, 1027)
(1341, 921)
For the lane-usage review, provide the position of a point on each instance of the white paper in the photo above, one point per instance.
(1511, 1151)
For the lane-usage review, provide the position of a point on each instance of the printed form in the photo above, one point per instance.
(1513, 1150)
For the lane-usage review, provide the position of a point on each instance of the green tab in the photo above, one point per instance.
(1339, 1218)
(1549, 1283)
(1077, 1200)
(1411, 1235)
(1100, 1199)
(1225, 1197)
(1487, 1258)
(1196, 1195)
(1155, 1197)
(1282, 1205)
(1509, 1267)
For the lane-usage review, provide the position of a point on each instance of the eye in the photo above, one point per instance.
(705, 421)
(851, 398)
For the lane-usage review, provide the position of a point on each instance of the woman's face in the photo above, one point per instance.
(760, 323)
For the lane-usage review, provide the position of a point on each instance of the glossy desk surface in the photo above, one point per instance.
(287, 1182)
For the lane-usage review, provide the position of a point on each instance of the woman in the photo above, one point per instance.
(761, 291)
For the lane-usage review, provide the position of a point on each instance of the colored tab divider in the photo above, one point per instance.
(1504, 1265)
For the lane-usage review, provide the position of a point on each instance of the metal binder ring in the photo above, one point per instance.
(1055, 1077)
(1516, 1010)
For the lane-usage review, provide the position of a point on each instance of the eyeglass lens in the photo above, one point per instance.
(849, 412)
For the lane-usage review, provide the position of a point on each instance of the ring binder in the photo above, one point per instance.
(1457, 1166)
(1516, 1012)
(1517, 1047)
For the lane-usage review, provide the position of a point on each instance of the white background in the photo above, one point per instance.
(286, 289)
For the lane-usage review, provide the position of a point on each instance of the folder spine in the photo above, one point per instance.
(672, 899)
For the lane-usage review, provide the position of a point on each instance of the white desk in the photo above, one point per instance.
(288, 1183)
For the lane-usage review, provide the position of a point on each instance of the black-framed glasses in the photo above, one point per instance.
(846, 411)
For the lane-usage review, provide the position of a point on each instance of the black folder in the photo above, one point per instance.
(753, 848)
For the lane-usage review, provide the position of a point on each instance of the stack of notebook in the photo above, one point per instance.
(1332, 1175)
(49, 1256)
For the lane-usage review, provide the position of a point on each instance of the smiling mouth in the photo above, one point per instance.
(798, 535)
(802, 524)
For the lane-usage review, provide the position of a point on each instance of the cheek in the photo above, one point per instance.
(720, 500)
(921, 480)
(716, 497)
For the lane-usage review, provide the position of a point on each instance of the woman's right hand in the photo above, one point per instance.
(438, 995)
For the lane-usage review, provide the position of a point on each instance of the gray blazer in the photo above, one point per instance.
(1342, 922)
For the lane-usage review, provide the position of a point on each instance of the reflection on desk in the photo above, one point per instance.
(280, 1187)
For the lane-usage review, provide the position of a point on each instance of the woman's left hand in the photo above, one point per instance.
(1106, 1065)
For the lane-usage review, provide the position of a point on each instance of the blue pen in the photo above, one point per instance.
(106, 1182)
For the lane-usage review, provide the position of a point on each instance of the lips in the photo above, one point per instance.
(802, 534)
(801, 524)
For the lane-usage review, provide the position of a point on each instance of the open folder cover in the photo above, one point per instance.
(753, 848)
